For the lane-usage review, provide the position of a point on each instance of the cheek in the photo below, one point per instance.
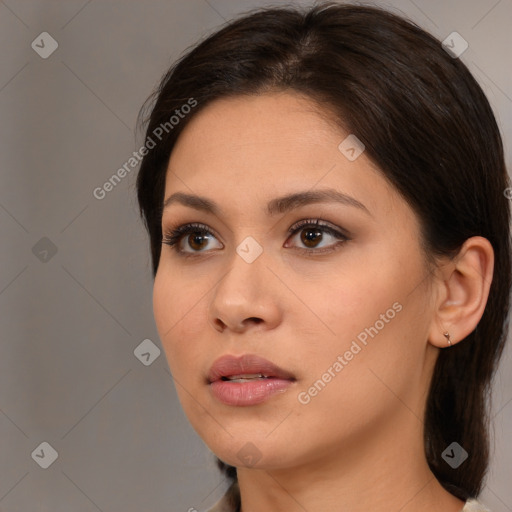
(165, 303)
(378, 352)
(348, 303)
(179, 317)
(375, 318)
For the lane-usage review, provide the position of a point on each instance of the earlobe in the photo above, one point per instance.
(463, 286)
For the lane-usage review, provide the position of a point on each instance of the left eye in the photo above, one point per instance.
(312, 233)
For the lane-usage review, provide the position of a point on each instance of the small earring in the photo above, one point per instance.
(447, 336)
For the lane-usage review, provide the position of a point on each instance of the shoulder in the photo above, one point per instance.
(473, 505)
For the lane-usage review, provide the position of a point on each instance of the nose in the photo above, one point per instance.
(246, 297)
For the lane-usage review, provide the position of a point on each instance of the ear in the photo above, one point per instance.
(462, 292)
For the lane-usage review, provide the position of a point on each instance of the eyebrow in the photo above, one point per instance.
(278, 205)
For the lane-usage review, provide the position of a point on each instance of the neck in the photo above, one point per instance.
(381, 473)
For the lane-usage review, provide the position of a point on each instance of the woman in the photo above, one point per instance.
(324, 195)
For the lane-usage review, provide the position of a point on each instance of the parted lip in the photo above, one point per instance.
(229, 365)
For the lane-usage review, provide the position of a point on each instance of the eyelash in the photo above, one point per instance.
(173, 237)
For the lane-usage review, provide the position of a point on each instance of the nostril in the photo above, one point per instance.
(220, 323)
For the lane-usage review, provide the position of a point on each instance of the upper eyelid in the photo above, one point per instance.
(317, 223)
(300, 223)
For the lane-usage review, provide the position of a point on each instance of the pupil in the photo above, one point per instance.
(310, 238)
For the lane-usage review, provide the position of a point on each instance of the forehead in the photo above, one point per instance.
(274, 124)
(247, 147)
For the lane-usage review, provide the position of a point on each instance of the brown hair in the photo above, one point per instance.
(428, 127)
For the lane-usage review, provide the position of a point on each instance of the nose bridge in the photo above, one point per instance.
(245, 274)
(245, 291)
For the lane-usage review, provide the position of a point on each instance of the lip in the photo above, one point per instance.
(229, 365)
(247, 393)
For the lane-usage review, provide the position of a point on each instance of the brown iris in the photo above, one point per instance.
(309, 236)
(197, 236)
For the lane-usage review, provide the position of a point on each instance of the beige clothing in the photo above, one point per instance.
(230, 502)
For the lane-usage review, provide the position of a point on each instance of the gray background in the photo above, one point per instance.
(70, 321)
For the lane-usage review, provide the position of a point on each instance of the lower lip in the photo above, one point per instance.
(248, 393)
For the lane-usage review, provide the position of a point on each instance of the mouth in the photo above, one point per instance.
(245, 368)
(247, 380)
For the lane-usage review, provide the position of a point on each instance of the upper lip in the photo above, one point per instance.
(228, 365)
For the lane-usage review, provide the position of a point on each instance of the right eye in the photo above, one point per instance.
(195, 235)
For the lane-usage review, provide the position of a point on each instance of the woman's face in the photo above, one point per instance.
(344, 307)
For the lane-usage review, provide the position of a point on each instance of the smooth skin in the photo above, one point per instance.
(358, 444)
